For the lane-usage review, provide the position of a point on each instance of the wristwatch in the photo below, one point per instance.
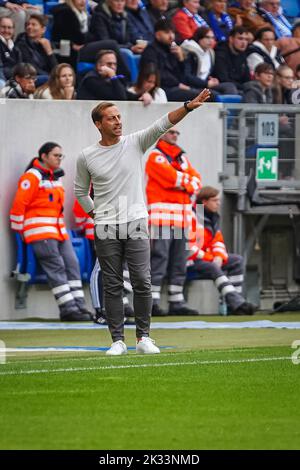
(185, 104)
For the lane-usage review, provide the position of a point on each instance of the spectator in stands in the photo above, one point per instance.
(10, 55)
(140, 21)
(259, 90)
(270, 10)
(218, 19)
(35, 48)
(22, 83)
(263, 49)
(297, 74)
(209, 257)
(231, 59)
(110, 21)
(290, 47)
(171, 183)
(157, 10)
(200, 62)
(147, 88)
(283, 87)
(168, 57)
(245, 13)
(60, 86)
(18, 11)
(37, 214)
(187, 19)
(103, 83)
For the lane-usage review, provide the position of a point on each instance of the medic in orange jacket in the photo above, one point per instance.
(83, 221)
(206, 241)
(37, 210)
(172, 181)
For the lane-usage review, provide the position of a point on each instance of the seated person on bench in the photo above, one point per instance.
(209, 257)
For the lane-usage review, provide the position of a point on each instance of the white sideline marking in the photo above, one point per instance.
(134, 366)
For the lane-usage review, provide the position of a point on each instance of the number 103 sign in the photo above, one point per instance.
(267, 129)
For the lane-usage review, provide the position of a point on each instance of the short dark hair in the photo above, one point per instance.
(103, 52)
(163, 25)
(206, 193)
(263, 68)
(42, 19)
(200, 33)
(23, 69)
(97, 111)
(260, 32)
(238, 30)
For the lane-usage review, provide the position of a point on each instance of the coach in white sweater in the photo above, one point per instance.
(114, 167)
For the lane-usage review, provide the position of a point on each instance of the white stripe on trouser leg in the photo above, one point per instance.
(155, 288)
(155, 295)
(237, 278)
(77, 293)
(64, 299)
(227, 290)
(220, 280)
(60, 289)
(172, 288)
(127, 286)
(74, 283)
(239, 289)
(125, 301)
(176, 298)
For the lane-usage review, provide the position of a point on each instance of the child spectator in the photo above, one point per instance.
(260, 89)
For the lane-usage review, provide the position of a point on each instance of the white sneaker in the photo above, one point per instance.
(146, 346)
(117, 349)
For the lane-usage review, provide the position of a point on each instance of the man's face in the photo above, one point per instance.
(107, 60)
(161, 5)
(171, 136)
(165, 37)
(111, 122)
(272, 6)
(213, 203)
(34, 29)
(239, 41)
(265, 78)
(192, 5)
(7, 28)
(268, 40)
(117, 6)
(26, 83)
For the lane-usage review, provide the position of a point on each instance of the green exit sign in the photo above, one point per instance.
(267, 164)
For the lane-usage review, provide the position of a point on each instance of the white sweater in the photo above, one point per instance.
(117, 176)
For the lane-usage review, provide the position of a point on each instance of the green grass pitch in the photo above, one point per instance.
(215, 389)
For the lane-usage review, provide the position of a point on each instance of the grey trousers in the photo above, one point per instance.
(113, 247)
(60, 264)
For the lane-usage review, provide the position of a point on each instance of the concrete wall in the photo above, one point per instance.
(26, 125)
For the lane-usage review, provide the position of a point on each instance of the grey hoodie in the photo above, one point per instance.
(254, 93)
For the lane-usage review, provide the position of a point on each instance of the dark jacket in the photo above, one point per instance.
(254, 93)
(94, 87)
(141, 24)
(253, 48)
(66, 26)
(107, 25)
(8, 60)
(231, 66)
(172, 72)
(155, 14)
(34, 53)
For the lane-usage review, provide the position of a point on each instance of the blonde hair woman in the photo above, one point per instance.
(60, 86)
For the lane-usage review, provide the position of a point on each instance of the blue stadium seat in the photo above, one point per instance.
(291, 8)
(84, 67)
(228, 99)
(48, 6)
(132, 62)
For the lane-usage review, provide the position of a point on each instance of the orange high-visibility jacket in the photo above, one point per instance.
(206, 241)
(37, 210)
(83, 221)
(172, 181)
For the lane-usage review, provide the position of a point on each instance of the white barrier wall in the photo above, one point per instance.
(26, 125)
